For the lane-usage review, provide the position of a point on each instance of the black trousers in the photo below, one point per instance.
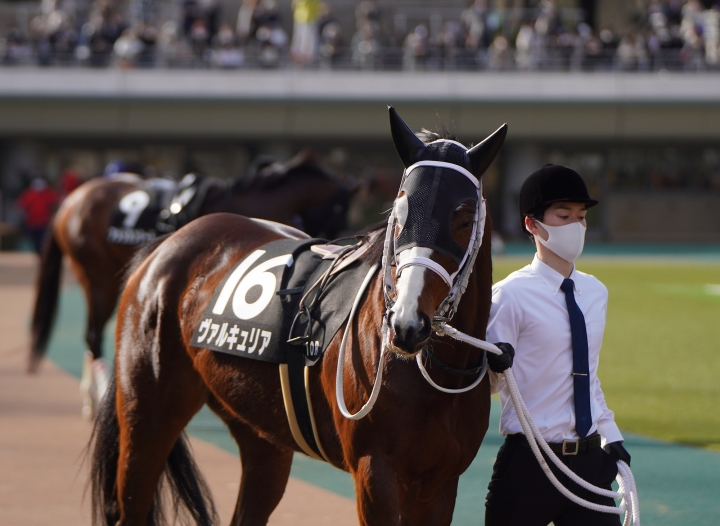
(520, 493)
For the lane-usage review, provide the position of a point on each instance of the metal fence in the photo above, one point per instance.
(366, 58)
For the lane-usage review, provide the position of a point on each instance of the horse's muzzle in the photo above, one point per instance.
(409, 336)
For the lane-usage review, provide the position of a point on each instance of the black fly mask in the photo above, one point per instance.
(438, 178)
(432, 194)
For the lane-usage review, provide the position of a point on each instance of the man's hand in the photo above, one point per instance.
(499, 362)
(617, 451)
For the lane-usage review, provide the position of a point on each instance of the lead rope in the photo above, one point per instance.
(365, 409)
(629, 503)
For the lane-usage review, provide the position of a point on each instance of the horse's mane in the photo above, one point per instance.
(428, 136)
(375, 235)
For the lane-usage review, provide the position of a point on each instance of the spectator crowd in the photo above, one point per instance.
(668, 34)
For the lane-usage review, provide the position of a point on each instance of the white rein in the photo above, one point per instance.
(365, 409)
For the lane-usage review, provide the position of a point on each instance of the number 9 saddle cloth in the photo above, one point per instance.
(157, 206)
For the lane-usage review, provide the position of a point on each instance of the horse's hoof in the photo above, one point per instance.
(93, 384)
(101, 379)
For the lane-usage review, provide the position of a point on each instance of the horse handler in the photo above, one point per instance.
(553, 316)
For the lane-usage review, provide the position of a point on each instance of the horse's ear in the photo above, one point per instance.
(480, 156)
(407, 144)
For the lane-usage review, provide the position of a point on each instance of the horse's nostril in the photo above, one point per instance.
(410, 334)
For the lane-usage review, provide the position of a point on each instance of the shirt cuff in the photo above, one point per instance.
(609, 432)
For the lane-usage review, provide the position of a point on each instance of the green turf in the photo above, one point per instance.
(660, 361)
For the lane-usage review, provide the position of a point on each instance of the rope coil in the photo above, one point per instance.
(628, 491)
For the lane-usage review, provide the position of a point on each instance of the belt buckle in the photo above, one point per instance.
(574, 451)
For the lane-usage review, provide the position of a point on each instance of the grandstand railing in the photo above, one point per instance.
(384, 59)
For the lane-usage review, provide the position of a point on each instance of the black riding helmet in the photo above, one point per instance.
(551, 184)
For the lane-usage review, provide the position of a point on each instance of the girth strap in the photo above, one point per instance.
(294, 378)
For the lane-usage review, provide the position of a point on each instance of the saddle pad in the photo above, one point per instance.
(134, 220)
(253, 308)
(186, 203)
(158, 206)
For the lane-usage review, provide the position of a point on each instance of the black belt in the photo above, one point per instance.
(567, 447)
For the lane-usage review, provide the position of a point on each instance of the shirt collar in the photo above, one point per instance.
(551, 277)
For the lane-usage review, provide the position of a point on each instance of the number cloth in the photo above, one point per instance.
(529, 311)
(143, 214)
(581, 370)
(255, 305)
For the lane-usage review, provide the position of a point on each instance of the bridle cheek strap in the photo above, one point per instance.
(427, 263)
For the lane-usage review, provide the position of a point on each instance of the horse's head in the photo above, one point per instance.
(434, 232)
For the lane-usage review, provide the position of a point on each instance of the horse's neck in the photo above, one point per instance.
(217, 198)
(371, 310)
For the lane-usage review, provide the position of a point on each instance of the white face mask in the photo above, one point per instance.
(566, 241)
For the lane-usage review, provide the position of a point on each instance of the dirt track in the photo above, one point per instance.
(42, 436)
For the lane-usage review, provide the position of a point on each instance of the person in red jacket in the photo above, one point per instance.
(39, 203)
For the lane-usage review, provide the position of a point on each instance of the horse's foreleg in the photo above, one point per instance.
(420, 508)
(378, 501)
(101, 293)
(265, 472)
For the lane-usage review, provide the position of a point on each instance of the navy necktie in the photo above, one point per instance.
(581, 367)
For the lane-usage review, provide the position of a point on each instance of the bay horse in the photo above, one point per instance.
(406, 455)
(299, 188)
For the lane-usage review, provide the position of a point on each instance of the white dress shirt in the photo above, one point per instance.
(529, 312)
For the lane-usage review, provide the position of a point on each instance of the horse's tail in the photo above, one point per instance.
(105, 444)
(187, 486)
(46, 299)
